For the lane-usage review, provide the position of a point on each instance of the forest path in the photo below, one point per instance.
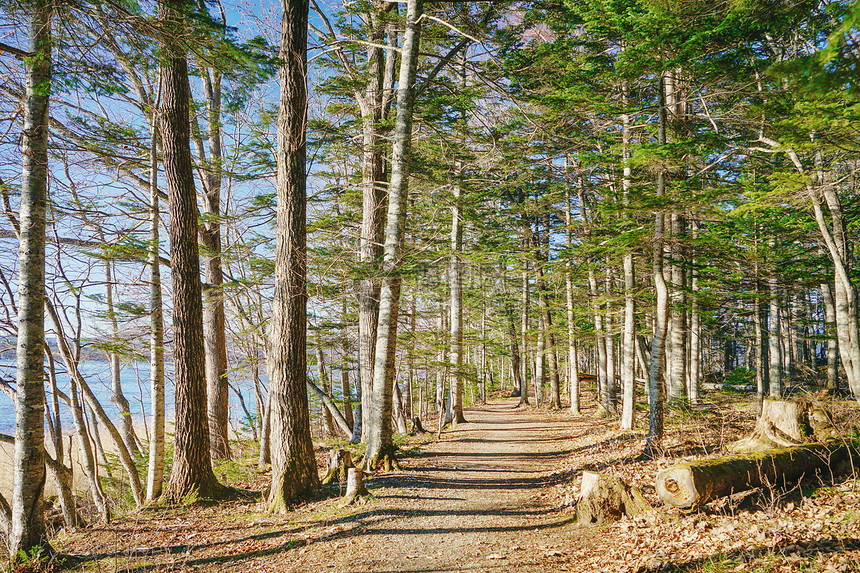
(478, 500)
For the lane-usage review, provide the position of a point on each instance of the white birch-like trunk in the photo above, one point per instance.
(27, 531)
(380, 444)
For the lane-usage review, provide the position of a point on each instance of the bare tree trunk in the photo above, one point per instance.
(611, 382)
(573, 358)
(380, 444)
(192, 466)
(345, 389)
(694, 371)
(117, 395)
(455, 275)
(157, 420)
(214, 318)
(774, 342)
(677, 387)
(830, 331)
(27, 532)
(655, 371)
(600, 343)
(294, 470)
(373, 201)
(87, 459)
(518, 381)
(628, 341)
(440, 361)
(325, 382)
(524, 334)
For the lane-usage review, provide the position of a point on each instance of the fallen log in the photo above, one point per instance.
(606, 498)
(690, 485)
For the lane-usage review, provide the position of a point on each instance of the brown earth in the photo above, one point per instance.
(497, 494)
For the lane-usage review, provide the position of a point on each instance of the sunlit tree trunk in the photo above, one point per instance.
(155, 473)
(192, 466)
(117, 395)
(214, 318)
(294, 470)
(380, 444)
(572, 355)
(655, 370)
(27, 531)
(371, 104)
(774, 341)
(455, 278)
(677, 387)
(628, 341)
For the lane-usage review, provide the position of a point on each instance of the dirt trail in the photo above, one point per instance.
(476, 501)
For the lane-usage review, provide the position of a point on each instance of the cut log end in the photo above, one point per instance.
(676, 486)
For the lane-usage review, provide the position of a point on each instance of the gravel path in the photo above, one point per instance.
(479, 500)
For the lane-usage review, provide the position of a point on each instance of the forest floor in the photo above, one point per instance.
(497, 494)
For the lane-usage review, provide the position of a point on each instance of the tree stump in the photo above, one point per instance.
(338, 463)
(783, 424)
(354, 486)
(417, 428)
(606, 498)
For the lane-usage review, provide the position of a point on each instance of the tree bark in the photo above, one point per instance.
(27, 532)
(830, 333)
(380, 444)
(573, 358)
(655, 371)
(455, 276)
(774, 343)
(192, 466)
(294, 470)
(214, 317)
(157, 420)
(693, 484)
(677, 387)
(117, 395)
(373, 203)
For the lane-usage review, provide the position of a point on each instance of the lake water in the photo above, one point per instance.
(135, 386)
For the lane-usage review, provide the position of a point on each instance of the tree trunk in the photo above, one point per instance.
(28, 473)
(155, 473)
(518, 382)
(628, 342)
(694, 345)
(573, 358)
(455, 275)
(606, 406)
(214, 319)
(524, 334)
(830, 334)
(655, 371)
(346, 391)
(87, 459)
(192, 467)
(117, 395)
(325, 382)
(294, 470)
(774, 343)
(380, 444)
(677, 387)
(373, 202)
